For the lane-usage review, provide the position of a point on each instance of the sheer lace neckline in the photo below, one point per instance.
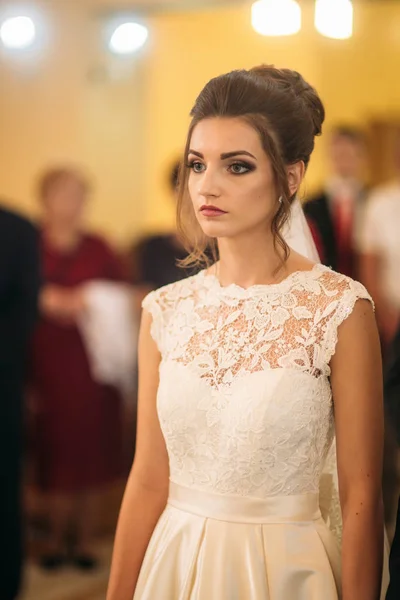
(211, 281)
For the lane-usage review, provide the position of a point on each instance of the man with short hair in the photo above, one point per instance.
(333, 215)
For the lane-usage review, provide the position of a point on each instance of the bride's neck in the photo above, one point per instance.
(247, 264)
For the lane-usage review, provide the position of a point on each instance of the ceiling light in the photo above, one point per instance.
(18, 33)
(276, 17)
(334, 18)
(127, 38)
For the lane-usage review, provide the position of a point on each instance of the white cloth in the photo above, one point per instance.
(297, 233)
(245, 406)
(380, 235)
(109, 331)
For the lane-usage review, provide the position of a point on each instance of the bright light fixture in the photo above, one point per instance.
(334, 18)
(128, 38)
(18, 33)
(276, 17)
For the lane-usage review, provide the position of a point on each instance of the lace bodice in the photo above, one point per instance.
(244, 399)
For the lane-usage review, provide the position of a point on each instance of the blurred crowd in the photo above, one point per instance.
(69, 314)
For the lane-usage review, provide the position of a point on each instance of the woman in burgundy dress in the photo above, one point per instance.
(79, 420)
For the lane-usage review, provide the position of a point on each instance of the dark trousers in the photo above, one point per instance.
(10, 492)
(392, 405)
(393, 592)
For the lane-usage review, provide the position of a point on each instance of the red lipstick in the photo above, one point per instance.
(211, 211)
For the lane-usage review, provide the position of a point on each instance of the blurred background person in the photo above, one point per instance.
(334, 213)
(155, 259)
(380, 250)
(19, 289)
(78, 441)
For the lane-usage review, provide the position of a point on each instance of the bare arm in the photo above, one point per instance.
(357, 392)
(147, 488)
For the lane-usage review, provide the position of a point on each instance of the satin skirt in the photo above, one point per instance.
(212, 547)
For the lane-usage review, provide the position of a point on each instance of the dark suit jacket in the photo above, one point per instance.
(19, 288)
(318, 211)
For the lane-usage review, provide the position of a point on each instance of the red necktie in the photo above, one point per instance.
(344, 217)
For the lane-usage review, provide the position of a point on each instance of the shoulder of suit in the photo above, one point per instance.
(315, 203)
(153, 242)
(15, 220)
(316, 198)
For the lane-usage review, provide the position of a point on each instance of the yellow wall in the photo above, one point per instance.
(126, 121)
(73, 103)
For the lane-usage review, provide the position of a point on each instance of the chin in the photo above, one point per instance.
(216, 230)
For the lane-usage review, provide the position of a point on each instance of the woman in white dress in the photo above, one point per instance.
(246, 371)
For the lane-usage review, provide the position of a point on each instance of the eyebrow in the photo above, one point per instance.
(225, 155)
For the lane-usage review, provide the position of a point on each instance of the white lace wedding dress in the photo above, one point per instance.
(245, 406)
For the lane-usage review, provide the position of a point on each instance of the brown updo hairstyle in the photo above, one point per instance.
(286, 112)
(51, 178)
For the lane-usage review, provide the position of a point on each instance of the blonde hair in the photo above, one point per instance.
(52, 177)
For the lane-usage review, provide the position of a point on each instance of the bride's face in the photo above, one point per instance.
(231, 182)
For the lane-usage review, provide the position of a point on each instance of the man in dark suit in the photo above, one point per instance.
(333, 213)
(19, 288)
(392, 405)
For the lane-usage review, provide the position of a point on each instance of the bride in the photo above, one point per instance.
(248, 370)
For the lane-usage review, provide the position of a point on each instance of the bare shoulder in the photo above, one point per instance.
(358, 344)
(360, 323)
(298, 262)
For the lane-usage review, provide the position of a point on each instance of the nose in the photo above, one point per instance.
(208, 184)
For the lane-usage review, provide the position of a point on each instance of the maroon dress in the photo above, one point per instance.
(78, 434)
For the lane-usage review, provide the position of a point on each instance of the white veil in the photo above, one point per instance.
(297, 233)
(298, 236)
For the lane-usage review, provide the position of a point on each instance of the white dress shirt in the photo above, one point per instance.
(380, 235)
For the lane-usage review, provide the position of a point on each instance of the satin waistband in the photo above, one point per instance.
(236, 509)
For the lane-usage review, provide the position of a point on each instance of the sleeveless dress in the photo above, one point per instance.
(245, 406)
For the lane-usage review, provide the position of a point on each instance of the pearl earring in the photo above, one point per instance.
(280, 199)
